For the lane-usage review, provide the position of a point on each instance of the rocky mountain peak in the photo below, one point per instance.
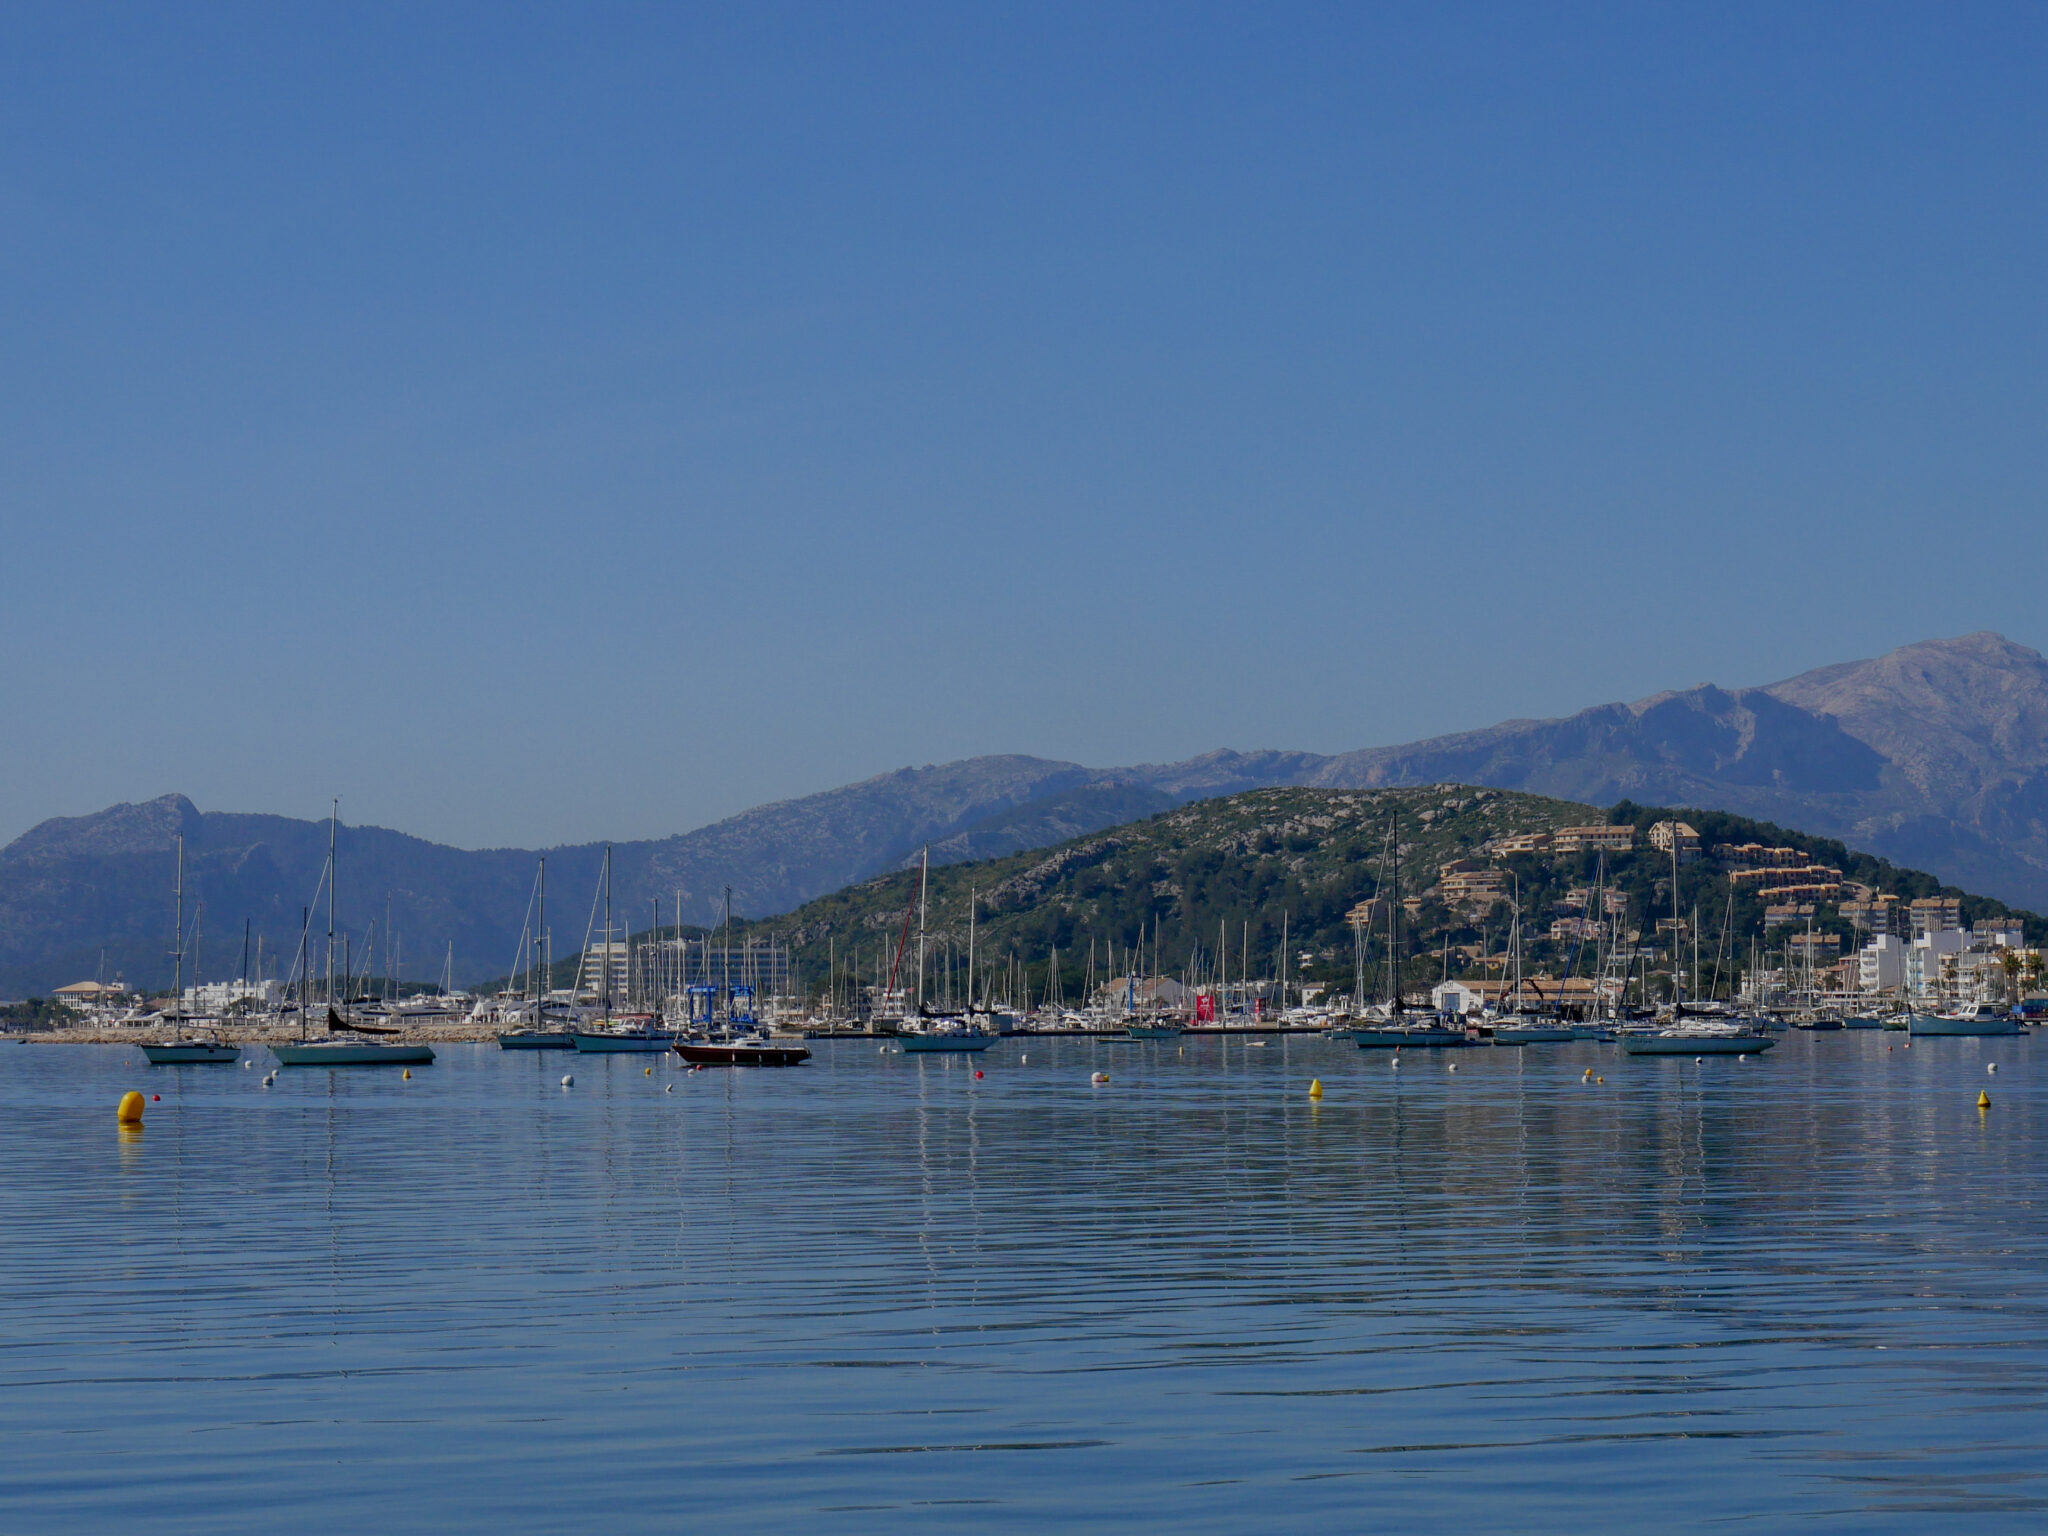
(149, 827)
(1946, 713)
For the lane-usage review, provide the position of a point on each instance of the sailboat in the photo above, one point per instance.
(185, 1052)
(1401, 1027)
(608, 1037)
(937, 1032)
(739, 1040)
(1700, 1035)
(1518, 1026)
(368, 1051)
(540, 1037)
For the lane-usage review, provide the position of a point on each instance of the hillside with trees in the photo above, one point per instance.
(1212, 887)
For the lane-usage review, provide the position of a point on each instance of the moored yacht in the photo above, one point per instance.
(543, 1035)
(615, 1036)
(1403, 1028)
(1697, 1037)
(751, 1050)
(1531, 1029)
(945, 1034)
(186, 1050)
(367, 1045)
(1973, 1019)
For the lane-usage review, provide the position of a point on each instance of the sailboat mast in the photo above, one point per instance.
(333, 816)
(1394, 915)
(607, 933)
(972, 897)
(1282, 967)
(178, 948)
(924, 877)
(1677, 980)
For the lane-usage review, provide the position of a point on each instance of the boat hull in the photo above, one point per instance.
(1393, 1039)
(178, 1053)
(1699, 1045)
(954, 1043)
(1153, 1032)
(603, 1044)
(537, 1040)
(1926, 1024)
(1539, 1035)
(712, 1053)
(352, 1053)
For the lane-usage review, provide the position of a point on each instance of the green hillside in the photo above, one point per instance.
(1246, 863)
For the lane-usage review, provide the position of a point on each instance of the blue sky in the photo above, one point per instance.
(548, 423)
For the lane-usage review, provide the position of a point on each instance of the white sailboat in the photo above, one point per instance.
(186, 1051)
(610, 1038)
(1403, 1027)
(937, 1032)
(540, 1037)
(1695, 1034)
(367, 1049)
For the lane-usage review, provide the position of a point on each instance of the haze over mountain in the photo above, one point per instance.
(1935, 756)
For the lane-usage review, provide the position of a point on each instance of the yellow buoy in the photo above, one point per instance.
(650, 1071)
(1983, 1101)
(1315, 1088)
(407, 1074)
(1599, 1079)
(130, 1112)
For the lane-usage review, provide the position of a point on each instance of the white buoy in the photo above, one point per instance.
(1454, 1066)
(671, 1088)
(1990, 1066)
(568, 1081)
(1393, 1061)
(246, 1065)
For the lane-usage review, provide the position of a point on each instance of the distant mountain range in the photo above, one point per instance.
(1935, 755)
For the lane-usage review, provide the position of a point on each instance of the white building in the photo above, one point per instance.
(1925, 957)
(92, 995)
(217, 997)
(1882, 964)
(590, 975)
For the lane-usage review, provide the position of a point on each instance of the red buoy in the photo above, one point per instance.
(156, 1098)
(977, 1071)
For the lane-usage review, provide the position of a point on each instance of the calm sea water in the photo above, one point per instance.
(877, 1293)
